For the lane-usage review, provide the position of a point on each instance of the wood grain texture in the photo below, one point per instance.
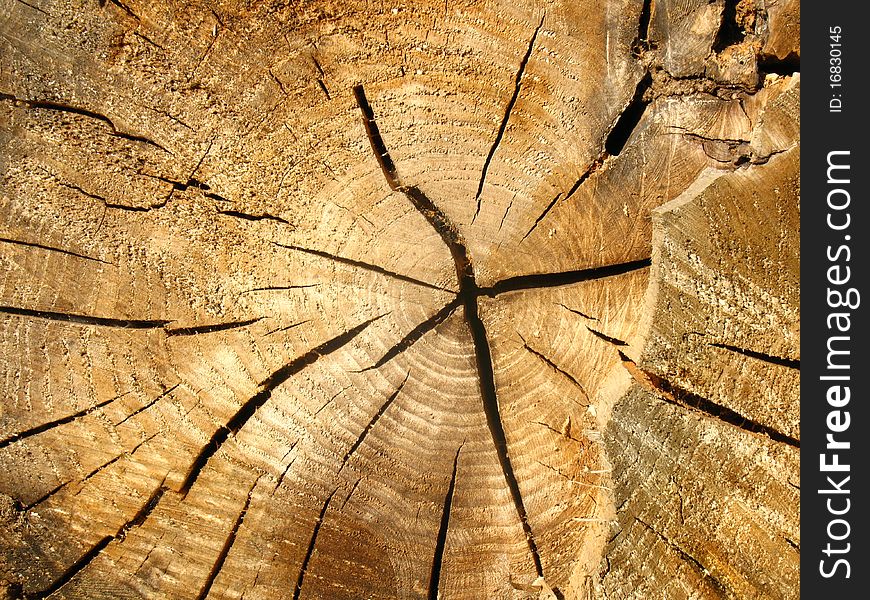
(345, 299)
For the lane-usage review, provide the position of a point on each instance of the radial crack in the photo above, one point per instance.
(123, 7)
(200, 329)
(146, 406)
(311, 543)
(74, 569)
(507, 114)
(279, 83)
(540, 218)
(791, 363)
(280, 288)
(377, 142)
(441, 540)
(439, 221)
(468, 296)
(449, 233)
(578, 312)
(84, 319)
(177, 186)
(415, 334)
(546, 360)
(287, 327)
(286, 470)
(56, 423)
(82, 563)
(701, 569)
(228, 545)
(506, 211)
(592, 168)
(373, 421)
(84, 112)
(547, 280)
(52, 249)
(361, 265)
(333, 397)
(124, 323)
(133, 208)
(93, 472)
(82, 481)
(250, 407)
(609, 339)
(641, 42)
(77, 188)
(350, 493)
(251, 217)
(678, 396)
(629, 119)
(494, 422)
(324, 89)
(613, 143)
(36, 8)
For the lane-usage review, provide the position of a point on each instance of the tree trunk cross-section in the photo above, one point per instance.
(345, 299)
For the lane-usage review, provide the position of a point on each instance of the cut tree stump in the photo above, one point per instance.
(399, 300)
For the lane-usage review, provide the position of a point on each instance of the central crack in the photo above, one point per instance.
(468, 294)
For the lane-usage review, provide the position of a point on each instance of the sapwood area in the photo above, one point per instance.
(346, 299)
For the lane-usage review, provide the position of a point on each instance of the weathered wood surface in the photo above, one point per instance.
(357, 300)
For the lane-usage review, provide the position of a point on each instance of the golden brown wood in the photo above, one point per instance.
(404, 300)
